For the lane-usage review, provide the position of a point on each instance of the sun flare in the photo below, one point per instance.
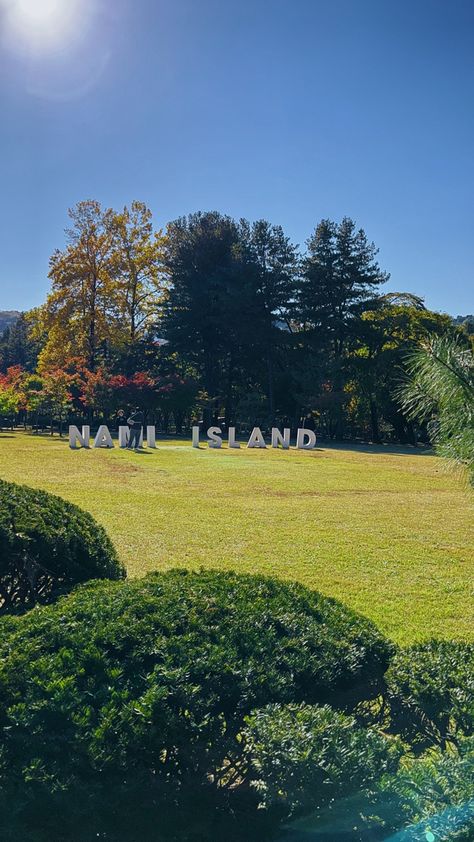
(42, 23)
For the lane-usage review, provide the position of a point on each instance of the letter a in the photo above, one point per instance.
(103, 437)
(256, 438)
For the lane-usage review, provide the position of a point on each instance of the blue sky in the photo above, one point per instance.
(292, 111)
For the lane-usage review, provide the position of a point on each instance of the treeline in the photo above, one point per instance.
(217, 319)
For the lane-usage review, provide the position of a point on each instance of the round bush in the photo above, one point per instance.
(123, 705)
(431, 688)
(302, 757)
(46, 546)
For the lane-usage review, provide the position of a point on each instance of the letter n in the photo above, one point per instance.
(278, 438)
(75, 437)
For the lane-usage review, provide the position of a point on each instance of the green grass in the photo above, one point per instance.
(390, 532)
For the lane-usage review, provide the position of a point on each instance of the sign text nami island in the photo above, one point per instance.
(305, 439)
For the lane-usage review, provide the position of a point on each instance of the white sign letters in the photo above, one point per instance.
(305, 439)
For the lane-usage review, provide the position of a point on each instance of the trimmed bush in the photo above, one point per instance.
(429, 797)
(303, 757)
(122, 706)
(46, 546)
(435, 794)
(431, 690)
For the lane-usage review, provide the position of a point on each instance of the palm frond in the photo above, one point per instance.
(440, 389)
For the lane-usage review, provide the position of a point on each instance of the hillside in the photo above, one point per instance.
(7, 318)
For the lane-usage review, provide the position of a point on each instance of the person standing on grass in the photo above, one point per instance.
(135, 422)
(120, 419)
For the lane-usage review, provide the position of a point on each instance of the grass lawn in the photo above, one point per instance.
(388, 531)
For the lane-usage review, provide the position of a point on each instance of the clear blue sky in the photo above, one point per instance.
(292, 111)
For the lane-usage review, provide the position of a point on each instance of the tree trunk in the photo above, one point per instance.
(374, 421)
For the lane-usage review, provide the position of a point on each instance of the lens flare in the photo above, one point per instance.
(41, 24)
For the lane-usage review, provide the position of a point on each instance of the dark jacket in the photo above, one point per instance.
(135, 420)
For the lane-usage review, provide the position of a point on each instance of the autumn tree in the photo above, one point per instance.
(137, 269)
(81, 314)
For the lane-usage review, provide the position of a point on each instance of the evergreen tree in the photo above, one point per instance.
(273, 266)
(208, 310)
(339, 281)
(17, 346)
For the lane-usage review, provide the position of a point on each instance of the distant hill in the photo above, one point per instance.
(467, 321)
(7, 318)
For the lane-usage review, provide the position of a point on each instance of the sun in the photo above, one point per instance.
(38, 12)
(42, 23)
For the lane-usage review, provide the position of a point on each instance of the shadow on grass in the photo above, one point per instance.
(388, 449)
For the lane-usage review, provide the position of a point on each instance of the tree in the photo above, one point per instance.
(137, 268)
(339, 280)
(17, 346)
(209, 305)
(11, 397)
(81, 312)
(8, 403)
(441, 388)
(273, 264)
(55, 396)
(396, 324)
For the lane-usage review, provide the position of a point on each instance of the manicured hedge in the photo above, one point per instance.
(123, 706)
(429, 797)
(433, 794)
(303, 757)
(46, 546)
(431, 690)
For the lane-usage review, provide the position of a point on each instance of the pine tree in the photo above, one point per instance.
(340, 279)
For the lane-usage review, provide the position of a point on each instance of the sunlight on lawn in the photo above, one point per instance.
(390, 532)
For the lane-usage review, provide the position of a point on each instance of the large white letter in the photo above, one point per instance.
(278, 438)
(213, 439)
(256, 438)
(195, 436)
(124, 435)
(300, 443)
(103, 437)
(151, 436)
(75, 437)
(232, 441)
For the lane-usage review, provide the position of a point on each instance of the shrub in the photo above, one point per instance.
(123, 705)
(46, 546)
(431, 690)
(433, 794)
(304, 756)
(429, 797)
